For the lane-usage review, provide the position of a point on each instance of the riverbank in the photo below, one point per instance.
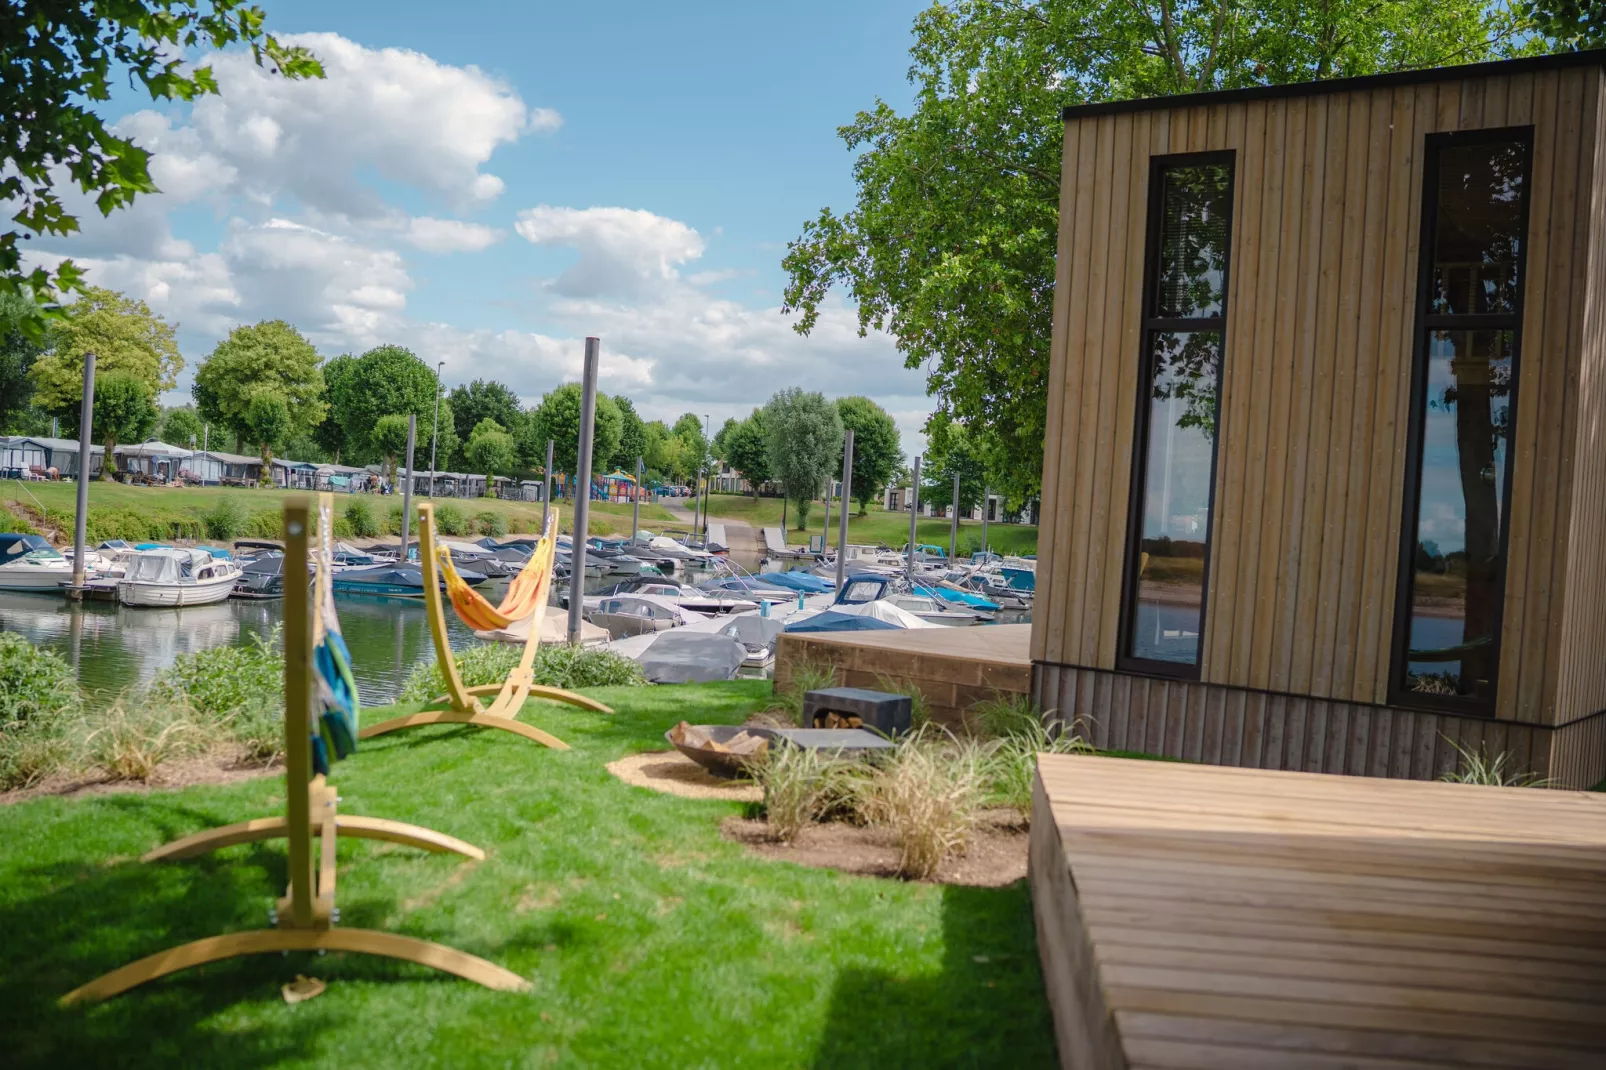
(880, 527)
(650, 939)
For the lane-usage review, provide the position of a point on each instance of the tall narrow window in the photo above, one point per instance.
(1452, 569)
(1185, 308)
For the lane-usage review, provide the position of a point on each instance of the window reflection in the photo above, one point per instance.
(1176, 503)
(1195, 205)
(1478, 229)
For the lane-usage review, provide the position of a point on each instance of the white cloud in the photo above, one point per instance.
(624, 252)
(450, 235)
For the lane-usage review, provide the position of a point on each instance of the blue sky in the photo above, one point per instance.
(487, 183)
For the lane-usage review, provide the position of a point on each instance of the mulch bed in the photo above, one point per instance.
(225, 766)
(996, 856)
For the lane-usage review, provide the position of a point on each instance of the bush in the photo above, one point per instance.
(105, 524)
(265, 524)
(800, 785)
(449, 520)
(220, 682)
(554, 666)
(11, 523)
(805, 676)
(919, 707)
(489, 522)
(225, 520)
(140, 732)
(1498, 772)
(38, 700)
(393, 521)
(360, 518)
(929, 796)
(1017, 731)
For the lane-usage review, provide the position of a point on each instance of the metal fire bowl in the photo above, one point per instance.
(725, 765)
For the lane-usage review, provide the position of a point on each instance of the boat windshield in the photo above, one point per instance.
(27, 548)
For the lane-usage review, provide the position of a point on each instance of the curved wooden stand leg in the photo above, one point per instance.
(414, 720)
(261, 941)
(258, 828)
(554, 694)
(378, 828)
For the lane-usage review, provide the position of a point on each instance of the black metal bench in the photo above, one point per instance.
(857, 707)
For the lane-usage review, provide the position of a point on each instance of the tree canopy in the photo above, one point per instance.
(632, 435)
(805, 439)
(389, 440)
(58, 59)
(950, 450)
(124, 413)
(18, 351)
(267, 422)
(182, 427)
(489, 449)
(747, 449)
(558, 416)
(271, 357)
(481, 400)
(877, 450)
(951, 244)
(1570, 24)
(125, 336)
(387, 380)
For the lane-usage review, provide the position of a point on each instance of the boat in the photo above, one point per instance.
(30, 563)
(262, 577)
(868, 588)
(176, 577)
(392, 581)
(637, 614)
(959, 598)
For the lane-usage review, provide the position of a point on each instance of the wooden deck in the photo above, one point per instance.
(1231, 919)
(954, 668)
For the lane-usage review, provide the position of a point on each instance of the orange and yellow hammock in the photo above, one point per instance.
(527, 594)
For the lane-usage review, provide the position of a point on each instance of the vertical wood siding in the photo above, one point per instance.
(1316, 396)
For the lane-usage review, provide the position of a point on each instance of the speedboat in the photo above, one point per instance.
(176, 577)
(392, 581)
(637, 614)
(261, 577)
(30, 563)
(866, 589)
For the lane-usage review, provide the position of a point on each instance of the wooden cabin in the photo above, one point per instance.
(1324, 483)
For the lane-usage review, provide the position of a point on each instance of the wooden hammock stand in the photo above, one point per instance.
(305, 917)
(462, 704)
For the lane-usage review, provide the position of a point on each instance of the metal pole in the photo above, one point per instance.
(206, 433)
(708, 474)
(434, 432)
(953, 528)
(635, 512)
(986, 507)
(847, 492)
(546, 486)
(582, 501)
(407, 487)
(914, 515)
(825, 527)
(86, 413)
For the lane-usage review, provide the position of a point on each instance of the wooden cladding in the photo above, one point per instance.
(1311, 465)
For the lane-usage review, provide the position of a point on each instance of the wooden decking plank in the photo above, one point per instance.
(1196, 1055)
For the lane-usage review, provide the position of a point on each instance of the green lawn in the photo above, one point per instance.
(114, 500)
(651, 942)
(879, 527)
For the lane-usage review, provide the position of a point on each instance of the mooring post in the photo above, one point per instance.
(953, 529)
(847, 492)
(914, 516)
(582, 490)
(546, 486)
(986, 507)
(635, 511)
(86, 413)
(407, 487)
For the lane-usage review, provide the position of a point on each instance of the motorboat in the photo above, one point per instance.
(798, 580)
(478, 559)
(176, 577)
(930, 609)
(261, 577)
(637, 614)
(958, 598)
(683, 656)
(392, 581)
(692, 598)
(867, 588)
(30, 563)
(755, 631)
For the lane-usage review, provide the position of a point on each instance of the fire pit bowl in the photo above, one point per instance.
(691, 740)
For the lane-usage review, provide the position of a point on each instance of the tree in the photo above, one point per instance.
(720, 446)
(124, 335)
(693, 454)
(331, 433)
(18, 352)
(484, 399)
(949, 449)
(490, 449)
(877, 450)
(384, 381)
(124, 412)
(267, 423)
(661, 449)
(57, 58)
(1569, 24)
(951, 244)
(181, 427)
(747, 449)
(558, 416)
(632, 436)
(805, 438)
(389, 438)
(271, 357)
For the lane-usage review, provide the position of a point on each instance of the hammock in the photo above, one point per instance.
(336, 729)
(525, 595)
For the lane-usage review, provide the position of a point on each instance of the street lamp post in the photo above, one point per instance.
(708, 475)
(434, 433)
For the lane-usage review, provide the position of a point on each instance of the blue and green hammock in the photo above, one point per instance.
(336, 731)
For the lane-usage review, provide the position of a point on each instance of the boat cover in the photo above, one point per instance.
(681, 656)
(834, 620)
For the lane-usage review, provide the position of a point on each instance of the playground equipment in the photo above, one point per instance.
(305, 917)
(525, 601)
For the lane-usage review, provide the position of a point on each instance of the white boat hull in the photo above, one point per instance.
(202, 593)
(31, 577)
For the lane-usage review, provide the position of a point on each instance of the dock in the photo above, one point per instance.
(953, 668)
(1203, 917)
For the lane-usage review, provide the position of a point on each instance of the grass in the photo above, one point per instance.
(120, 511)
(880, 527)
(650, 940)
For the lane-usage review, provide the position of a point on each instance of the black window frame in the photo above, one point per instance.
(1151, 325)
(1426, 323)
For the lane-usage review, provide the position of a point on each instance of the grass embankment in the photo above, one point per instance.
(118, 511)
(880, 527)
(651, 941)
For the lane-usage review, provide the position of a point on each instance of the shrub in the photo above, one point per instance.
(12, 523)
(490, 522)
(1498, 772)
(219, 682)
(800, 785)
(38, 700)
(180, 527)
(1017, 732)
(265, 524)
(919, 708)
(105, 524)
(258, 727)
(393, 520)
(805, 676)
(928, 796)
(141, 731)
(225, 520)
(360, 517)
(576, 667)
(554, 666)
(449, 519)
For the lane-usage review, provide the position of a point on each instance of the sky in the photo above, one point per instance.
(488, 183)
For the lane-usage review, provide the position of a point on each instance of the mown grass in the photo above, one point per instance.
(650, 940)
(117, 510)
(880, 527)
